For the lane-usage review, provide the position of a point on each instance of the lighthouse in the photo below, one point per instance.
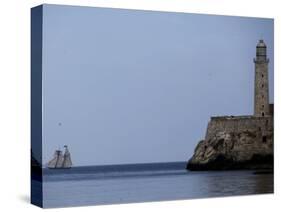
(261, 101)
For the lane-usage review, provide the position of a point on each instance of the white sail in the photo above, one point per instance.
(67, 163)
(60, 160)
(53, 163)
(57, 160)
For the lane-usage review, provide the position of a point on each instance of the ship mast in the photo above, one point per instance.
(58, 154)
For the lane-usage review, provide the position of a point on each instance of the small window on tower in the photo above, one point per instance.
(262, 85)
(262, 75)
(264, 139)
(262, 106)
(262, 114)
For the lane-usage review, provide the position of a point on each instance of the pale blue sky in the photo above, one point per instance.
(134, 86)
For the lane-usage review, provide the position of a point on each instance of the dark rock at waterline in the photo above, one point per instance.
(232, 151)
(223, 163)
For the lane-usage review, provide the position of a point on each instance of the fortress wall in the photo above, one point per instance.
(236, 124)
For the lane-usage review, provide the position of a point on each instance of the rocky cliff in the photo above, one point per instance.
(235, 143)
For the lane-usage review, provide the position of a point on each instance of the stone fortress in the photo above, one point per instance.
(241, 142)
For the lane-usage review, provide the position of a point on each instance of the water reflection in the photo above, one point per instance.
(238, 183)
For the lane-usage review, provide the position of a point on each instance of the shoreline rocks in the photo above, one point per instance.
(225, 150)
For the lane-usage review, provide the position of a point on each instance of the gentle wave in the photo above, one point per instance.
(111, 175)
(115, 171)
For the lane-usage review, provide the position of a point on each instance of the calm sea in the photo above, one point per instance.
(112, 184)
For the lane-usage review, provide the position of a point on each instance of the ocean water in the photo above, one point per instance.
(113, 184)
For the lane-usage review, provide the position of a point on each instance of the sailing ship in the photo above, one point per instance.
(60, 160)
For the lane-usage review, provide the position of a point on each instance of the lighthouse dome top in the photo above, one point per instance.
(261, 44)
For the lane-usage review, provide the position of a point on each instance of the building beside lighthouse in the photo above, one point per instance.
(234, 142)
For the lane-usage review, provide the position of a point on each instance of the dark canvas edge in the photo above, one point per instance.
(36, 179)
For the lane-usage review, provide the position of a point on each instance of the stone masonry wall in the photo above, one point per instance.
(228, 124)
